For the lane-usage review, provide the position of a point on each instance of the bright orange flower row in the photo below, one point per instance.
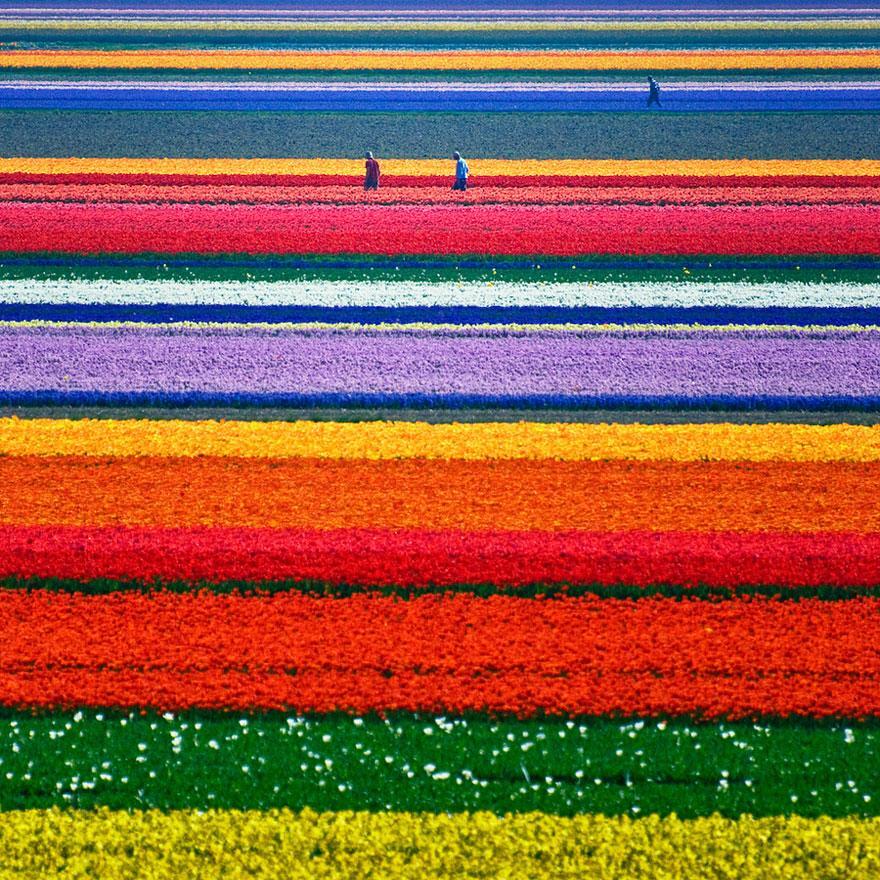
(437, 494)
(578, 656)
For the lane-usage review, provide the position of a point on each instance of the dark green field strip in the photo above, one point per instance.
(511, 135)
(408, 762)
(104, 586)
(152, 74)
(497, 38)
(354, 267)
(443, 416)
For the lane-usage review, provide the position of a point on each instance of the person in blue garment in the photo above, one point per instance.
(461, 172)
(654, 94)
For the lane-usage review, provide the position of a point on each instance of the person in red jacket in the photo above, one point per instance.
(371, 181)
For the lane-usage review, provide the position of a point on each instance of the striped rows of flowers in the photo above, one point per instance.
(430, 645)
(523, 532)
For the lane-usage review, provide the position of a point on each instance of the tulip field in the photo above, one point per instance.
(527, 531)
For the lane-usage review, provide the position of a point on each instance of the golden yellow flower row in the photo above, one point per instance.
(421, 167)
(412, 846)
(820, 330)
(391, 440)
(247, 59)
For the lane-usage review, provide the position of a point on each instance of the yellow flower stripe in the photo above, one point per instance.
(389, 440)
(413, 846)
(453, 60)
(419, 326)
(438, 24)
(485, 166)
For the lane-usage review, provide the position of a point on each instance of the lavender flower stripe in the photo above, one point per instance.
(265, 361)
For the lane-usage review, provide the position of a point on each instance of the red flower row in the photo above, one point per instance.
(288, 193)
(418, 557)
(734, 658)
(391, 229)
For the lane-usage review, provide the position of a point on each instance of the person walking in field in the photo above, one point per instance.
(371, 181)
(461, 172)
(654, 94)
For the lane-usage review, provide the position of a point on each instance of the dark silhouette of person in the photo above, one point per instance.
(461, 172)
(371, 181)
(654, 94)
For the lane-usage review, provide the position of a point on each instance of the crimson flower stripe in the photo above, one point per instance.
(421, 558)
(438, 229)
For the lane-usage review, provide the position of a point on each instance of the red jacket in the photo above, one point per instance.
(372, 171)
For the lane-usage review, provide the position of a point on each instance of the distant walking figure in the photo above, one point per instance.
(461, 172)
(371, 181)
(654, 95)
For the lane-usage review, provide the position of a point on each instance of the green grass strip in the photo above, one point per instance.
(105, 586)
(595, 269)
(499, 37)
(444, 416)
(95, 758)
(412, 134)
(153, 74)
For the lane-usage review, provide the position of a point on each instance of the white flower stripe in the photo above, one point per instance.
(466, 293)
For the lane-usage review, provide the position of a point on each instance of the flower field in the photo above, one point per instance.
(529, 531)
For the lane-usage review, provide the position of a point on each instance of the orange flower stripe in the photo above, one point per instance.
(831, 59)
(433, 653)
(510, 495)
(488, 167)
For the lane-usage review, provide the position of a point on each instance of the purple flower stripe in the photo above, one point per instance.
(697, 363)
